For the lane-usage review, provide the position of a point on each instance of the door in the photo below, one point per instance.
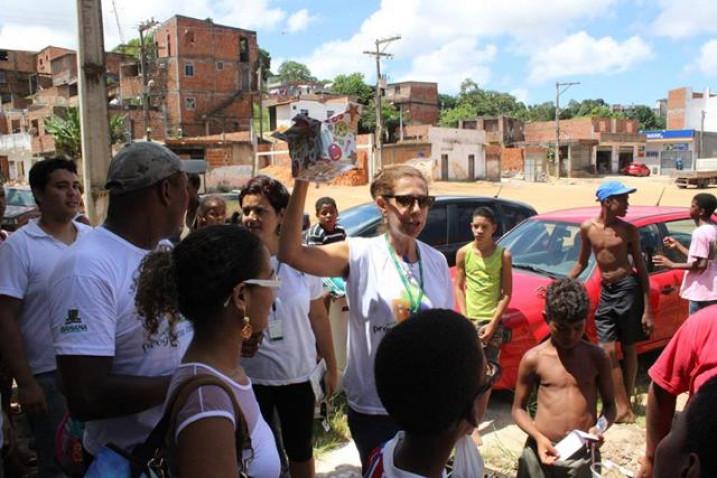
(667, 306)
(471, 167)
(444, 167)
(681, 231)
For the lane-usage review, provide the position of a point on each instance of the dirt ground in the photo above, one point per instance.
(502, 441)
(544, 197)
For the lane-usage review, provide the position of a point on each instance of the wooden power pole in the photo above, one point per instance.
(378, 53)
(94, 120)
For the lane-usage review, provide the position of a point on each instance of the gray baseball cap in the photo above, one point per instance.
(139, 165)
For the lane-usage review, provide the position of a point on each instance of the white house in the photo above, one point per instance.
(319, 107)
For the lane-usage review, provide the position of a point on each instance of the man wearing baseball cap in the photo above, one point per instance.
(623, 313)
(114, 377)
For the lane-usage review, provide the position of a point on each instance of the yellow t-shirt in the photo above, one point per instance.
(483, 282)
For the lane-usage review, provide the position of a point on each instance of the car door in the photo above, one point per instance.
(436, 233)
(680, 230)
(664, 284)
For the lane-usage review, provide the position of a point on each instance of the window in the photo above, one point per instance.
(435, 233)
(329, 113)
(681, 231)
(188, 69)
(3, 79)
(169, 46)
(220, 65)
(650, 245)
(189, 36)
(397, 90)
(3, 55)
(293, 107)
(243, 50)
(35, 127)
(304, 112)
(189, 103)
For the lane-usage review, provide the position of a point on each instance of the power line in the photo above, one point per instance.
(378, 53)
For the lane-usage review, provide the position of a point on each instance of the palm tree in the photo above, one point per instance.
(68, 137)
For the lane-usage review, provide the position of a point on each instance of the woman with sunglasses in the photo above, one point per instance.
(221, 280)
(388, 278)
(298, 324)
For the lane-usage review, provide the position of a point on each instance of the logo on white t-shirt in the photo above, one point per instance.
(73, 323)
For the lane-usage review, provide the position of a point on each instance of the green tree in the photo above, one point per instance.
(389, 117)
(446, 102)
(354, 85)
(265, 62)
(293, 71)
(66, 131)
(450, 117)
(646, 116)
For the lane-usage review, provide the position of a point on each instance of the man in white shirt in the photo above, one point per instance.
(26, 260)
(115, 378)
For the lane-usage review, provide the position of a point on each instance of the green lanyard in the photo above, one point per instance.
(415, 303)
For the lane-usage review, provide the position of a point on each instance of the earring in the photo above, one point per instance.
(247, 330)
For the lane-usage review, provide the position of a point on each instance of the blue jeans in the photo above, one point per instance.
(696, 305)
(44, 427)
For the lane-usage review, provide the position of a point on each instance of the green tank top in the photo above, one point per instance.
(483, 278)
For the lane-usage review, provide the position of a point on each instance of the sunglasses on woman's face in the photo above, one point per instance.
(408, 200)
(273, 283)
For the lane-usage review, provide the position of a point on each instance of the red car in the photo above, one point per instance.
(546, 246)
(636, 169)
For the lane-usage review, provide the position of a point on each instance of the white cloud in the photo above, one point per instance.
(45, 22)
(581, 54)
(707, 61)
(426, 26)
(521, 94)
(299, 21)
(450, 64)
(685, 18)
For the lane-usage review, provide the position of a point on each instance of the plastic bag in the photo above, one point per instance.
(322, 150)
(467, 462)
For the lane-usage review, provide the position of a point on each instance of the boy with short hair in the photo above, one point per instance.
(624, 313)
(569, 373)
(484, 281)
(212, 211)
(327, 229)
(432, 377)
(699, 285)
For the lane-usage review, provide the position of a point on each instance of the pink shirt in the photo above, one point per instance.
(690, 358)
(702, 286)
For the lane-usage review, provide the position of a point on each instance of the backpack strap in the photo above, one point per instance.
(160, 439)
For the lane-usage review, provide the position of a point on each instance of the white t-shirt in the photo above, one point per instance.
(27, 259)
(372, 285)
(93, 312)
(702, 286)
(212, 401)
(383, 466)
(291, 358)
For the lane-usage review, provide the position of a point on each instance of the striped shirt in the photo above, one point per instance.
(317, 235)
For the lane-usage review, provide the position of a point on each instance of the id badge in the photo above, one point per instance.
(276, 330)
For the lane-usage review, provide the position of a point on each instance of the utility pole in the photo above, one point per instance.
(378, 53)
(559, 92)
(94, 120)
(143, 27)
(702, 134)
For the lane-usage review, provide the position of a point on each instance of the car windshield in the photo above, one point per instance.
(19, 197)
(546, 247)
(357, 218)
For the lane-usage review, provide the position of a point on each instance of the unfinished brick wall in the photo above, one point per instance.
(676, 104)
(512, 159)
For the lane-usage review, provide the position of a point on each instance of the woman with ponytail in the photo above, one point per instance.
(221, 280)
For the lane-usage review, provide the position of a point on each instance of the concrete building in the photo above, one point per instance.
(665, 149)
(589, 145)
(499, 130)
(416, 101)
(687, 110)
(203, 79)
(276, 87)
(319, 106)
(457, 154)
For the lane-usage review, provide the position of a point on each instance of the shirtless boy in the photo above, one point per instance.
(624, 312)
(568, 373)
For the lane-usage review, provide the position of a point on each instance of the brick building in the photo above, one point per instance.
(589, 145)
(203, 77)
(416, 101)
(17, 69)
(687, 109)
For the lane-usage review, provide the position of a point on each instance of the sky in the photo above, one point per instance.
(624, 51)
